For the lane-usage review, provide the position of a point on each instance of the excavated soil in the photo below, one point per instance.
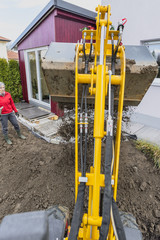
(35, 175)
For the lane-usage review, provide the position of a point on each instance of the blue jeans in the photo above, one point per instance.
(12, 118)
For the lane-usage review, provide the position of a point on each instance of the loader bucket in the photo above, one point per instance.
(58, 67)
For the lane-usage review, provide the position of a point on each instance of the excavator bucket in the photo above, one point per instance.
(59, 66)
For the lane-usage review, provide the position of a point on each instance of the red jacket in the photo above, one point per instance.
(7, 103)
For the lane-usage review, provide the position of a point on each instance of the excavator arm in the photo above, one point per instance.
(104, 45)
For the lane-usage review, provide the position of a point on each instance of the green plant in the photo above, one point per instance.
(3, 70)
(10, 75)
(151, 151)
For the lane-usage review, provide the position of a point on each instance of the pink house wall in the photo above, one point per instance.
(42, 35)
(58, 26)
(23, 75)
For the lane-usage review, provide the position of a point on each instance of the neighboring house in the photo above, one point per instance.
(3, 48)
(12, 55)
(146, 118)
(148, 111)
(59, 21)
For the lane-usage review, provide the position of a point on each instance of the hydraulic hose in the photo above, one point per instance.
(113, 61)
(119, 230)
(110, 209)
(118, 222)
(113, 224)
(81, 130)
(78, 210)
(86, 131)
(107, 199)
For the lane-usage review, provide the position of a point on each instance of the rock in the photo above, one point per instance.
(1, 200)
(132, 184)
(41, 163)
(143, 186)
(144, 228)
(45, 205)
(157, 229)
(48, 161)
(72, 189)
(135, 169)
(5, 196)
(151, 228)
(156, 213)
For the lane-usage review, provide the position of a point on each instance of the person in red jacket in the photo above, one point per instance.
(6, 113)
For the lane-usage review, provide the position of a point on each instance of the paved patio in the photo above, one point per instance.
(40, 121)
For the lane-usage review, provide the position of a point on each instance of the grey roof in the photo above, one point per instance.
(153, 40)
(58, 4)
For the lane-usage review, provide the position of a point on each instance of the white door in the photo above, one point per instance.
(37, 87)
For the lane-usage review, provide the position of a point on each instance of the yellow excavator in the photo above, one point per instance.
(100, 70)
(101, 78)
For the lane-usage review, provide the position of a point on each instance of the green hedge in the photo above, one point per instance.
(10, 75)
(151, 151)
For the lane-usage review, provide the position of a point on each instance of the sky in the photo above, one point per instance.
(142, 16)
(16, 15)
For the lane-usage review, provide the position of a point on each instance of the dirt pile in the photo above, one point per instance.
(35, 175)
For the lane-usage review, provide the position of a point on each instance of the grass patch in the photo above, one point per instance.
(151, 151)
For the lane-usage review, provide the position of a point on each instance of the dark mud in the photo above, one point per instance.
(35, 175)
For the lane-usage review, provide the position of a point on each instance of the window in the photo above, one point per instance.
(37, 87)
(154, 48)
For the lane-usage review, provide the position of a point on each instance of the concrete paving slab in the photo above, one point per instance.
(33, 112)
(131, 127)
(149, 134)
(24, 105)
(44, 128)
(40, 121)
(142, 132)
(48, 128)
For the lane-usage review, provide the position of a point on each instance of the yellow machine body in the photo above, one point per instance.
(98, 78)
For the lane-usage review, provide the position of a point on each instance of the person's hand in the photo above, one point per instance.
(17, 114)
(1, 110)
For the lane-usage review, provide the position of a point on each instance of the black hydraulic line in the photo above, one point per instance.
(118, 222)
(113, 61)
(83, 91)
(120, 25)
(107, 199)
(81, 151)
(90, 52)
(84, 51)
(81, 134)
(78, 212)
(85, 150)
(116, 216)
(86, 90)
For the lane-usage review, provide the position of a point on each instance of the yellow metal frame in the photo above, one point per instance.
(99, 79)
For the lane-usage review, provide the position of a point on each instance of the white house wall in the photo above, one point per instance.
(3, 50)
(148, 111)
(142, 16)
